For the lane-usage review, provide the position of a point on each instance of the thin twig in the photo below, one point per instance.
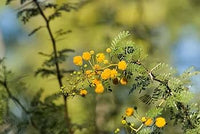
(59, 76)
(15, 100)
(169, 90)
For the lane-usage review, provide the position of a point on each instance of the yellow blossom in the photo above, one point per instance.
(108, 50)
(78, 60)
(100, 57)
(83, 92)
(106, 74)
(86, 56)
(96, 67)
(160, 122)
(123, 81)
(87, 72)
(105, 62)
(143, 119)
(117, 130)
(99, 88)
(123, 122)
(91, 52)
(129, 111)
(122, 65)
(96, 81)
(113, 73)
(85, 66)
(148, 122)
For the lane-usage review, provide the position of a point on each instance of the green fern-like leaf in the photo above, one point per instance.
(153, 112)
(145, 131)
(118, 38)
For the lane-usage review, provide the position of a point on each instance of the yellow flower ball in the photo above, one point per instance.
(117, 130)
(123, 81)
(83, 92)
(143, 119)
(100, 57)
(108, 50)
(113, 73)
(122, 65)
(87, 72)
(96, 81)
(96, 67)
(86, 56)
(148, 122)
(99, 88)
(78, 60)
(129, 111)
(105, 62)
(73, 94)
(91, 52)
(85, 66)
(123, 122)
(160, 122)
(106, 74)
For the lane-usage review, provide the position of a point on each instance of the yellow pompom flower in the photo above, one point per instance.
(148, 122)
(143, 119)
(132, 124)
(85, 66)
(100, 57)
(88, 73)
(83, 92)
(105, 62)
(160, 122)
(78, 60)
(123, 122)
(122, 65)
(117, 130)
(86, 56)
(96, 67)
(91, 52)
(99, 88)
(108, 50)
(113, 73)
(129, 111)
(96, 81)
(123, 81)
(106, 74)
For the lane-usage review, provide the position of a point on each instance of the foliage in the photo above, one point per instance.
(48, 65)
(123, 64)
(169, 90)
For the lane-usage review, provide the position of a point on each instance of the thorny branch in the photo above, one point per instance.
(59, 76)
(4, 83)
(169, 90)
(10, 95)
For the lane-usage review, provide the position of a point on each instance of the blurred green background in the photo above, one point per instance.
(168, 30)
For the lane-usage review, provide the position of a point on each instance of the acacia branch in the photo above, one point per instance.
(10, 95)
(169, 90)
(14, 98)
(58, 72)
(4, 83)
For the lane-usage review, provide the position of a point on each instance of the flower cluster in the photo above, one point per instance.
(159, 122)
(98, 68)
